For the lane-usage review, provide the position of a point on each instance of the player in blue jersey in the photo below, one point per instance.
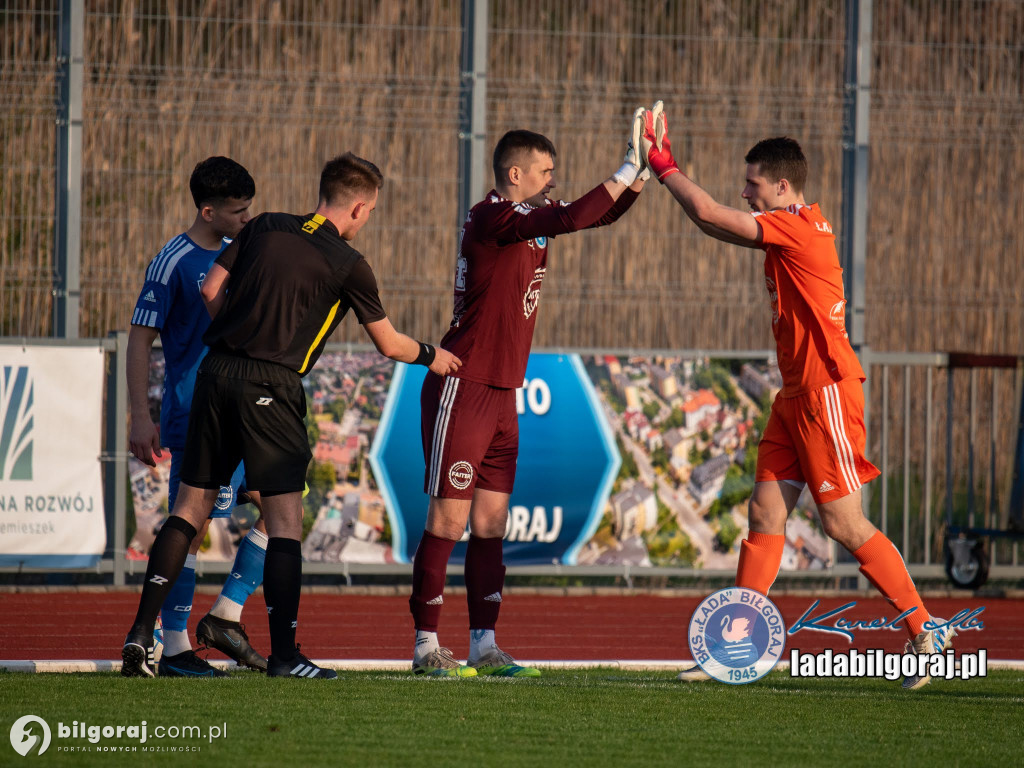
(170, 306)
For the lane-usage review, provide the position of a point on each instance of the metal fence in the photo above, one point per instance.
(914, 426)
(283, 86)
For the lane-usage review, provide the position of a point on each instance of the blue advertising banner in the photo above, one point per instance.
(567, 463)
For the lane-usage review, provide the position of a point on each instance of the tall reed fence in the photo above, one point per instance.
(282, 86)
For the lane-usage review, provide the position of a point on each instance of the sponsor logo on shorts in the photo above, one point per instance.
(461, 475)
(826, 486)
(265, 401)
(737, 635)
(224, 497)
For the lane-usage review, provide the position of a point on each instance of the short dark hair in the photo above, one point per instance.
(513, 145)
(216, 179)
(347, 175)
(780, 158)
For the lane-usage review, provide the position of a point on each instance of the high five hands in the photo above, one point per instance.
(655, 148)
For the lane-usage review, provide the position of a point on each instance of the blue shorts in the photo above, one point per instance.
(226, 499)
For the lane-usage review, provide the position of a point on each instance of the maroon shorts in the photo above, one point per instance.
(470, 437)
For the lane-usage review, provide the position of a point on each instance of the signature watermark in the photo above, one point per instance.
(965, 620)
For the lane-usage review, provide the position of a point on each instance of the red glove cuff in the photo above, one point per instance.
(662, 162)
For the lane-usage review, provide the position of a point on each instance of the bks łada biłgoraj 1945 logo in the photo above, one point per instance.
(737, 635)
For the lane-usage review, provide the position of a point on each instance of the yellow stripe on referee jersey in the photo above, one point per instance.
(320, 336)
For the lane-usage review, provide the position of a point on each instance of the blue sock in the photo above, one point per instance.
(246, 575)
(176, 608)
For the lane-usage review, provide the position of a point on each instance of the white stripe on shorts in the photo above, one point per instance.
(444, 413)
(839, 438)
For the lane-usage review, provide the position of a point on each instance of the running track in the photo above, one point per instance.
(91, 624)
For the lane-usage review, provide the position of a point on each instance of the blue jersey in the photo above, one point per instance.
(170, 302)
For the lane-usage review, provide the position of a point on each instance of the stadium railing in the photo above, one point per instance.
(940, 460)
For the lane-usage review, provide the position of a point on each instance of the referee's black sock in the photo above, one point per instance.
(166, 558)
(282, 582)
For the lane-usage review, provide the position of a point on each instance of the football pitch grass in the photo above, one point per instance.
(586, 717)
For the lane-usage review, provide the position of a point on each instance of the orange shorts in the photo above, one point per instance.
(818, 438)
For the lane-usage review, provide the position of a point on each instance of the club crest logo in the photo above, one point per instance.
(461, 475)
(737, 635)
(16, 419)
(532, 296)
(773, 297)
(838, 315)
(461, 268)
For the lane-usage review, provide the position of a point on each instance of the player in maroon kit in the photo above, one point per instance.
(468, 420)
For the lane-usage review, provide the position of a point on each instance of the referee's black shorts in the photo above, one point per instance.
(252, 411)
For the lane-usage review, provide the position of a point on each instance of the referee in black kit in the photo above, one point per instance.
(276, 294)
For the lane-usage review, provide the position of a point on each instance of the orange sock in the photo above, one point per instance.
(883, 566)
(760, 558)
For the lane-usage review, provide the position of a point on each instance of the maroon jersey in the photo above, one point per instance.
(503, 256)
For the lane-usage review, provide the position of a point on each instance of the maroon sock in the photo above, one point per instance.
(429, 568)
(485, 578)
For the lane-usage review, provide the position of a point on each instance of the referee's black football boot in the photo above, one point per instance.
(229, 638)
(298, 666)
(187, 664)
(137, 655)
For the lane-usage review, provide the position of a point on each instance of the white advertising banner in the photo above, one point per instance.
(51, 490)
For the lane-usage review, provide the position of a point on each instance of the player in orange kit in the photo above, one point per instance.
(815, 434)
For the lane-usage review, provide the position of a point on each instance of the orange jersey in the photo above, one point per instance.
(805, 285)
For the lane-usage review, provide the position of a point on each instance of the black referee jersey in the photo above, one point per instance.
(293, 278)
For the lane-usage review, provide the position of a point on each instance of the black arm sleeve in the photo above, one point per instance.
(360, 290)
(228, 256)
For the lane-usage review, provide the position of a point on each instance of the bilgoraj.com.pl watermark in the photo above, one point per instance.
(32, 735)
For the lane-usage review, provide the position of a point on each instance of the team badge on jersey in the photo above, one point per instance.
(838, 316)
(461, 268)
(773, 296)
(460, 475)
(737, 635)
(532, 296)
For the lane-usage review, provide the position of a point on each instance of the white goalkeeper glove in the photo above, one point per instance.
(634, 167)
